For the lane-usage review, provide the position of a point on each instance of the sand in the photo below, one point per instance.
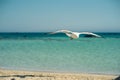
(29, 75)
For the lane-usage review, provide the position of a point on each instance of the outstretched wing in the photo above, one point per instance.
(61, 31)
(90, 33)
(67, 32)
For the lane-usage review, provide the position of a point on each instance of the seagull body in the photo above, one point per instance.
(75, 35)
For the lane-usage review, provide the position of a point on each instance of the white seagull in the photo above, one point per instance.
(75, 35)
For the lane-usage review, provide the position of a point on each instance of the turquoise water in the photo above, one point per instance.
(42, 52)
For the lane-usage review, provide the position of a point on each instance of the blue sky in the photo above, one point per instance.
(51, 15)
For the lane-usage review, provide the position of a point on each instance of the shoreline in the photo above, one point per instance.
(6, 74)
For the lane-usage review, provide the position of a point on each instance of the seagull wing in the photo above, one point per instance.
(90, 33)
(61, 31)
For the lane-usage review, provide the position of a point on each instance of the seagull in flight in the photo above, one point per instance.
(75, 35)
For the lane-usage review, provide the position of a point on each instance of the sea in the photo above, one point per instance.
(41, 51)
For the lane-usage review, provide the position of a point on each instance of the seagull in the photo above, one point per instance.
(75, 35)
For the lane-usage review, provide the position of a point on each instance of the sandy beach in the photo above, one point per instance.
(29, 75)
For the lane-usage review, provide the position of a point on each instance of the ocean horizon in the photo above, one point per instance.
(41, 51)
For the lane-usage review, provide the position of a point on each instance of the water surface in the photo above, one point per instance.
(44, 52)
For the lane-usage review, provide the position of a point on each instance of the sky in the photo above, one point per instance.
(52, 15)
